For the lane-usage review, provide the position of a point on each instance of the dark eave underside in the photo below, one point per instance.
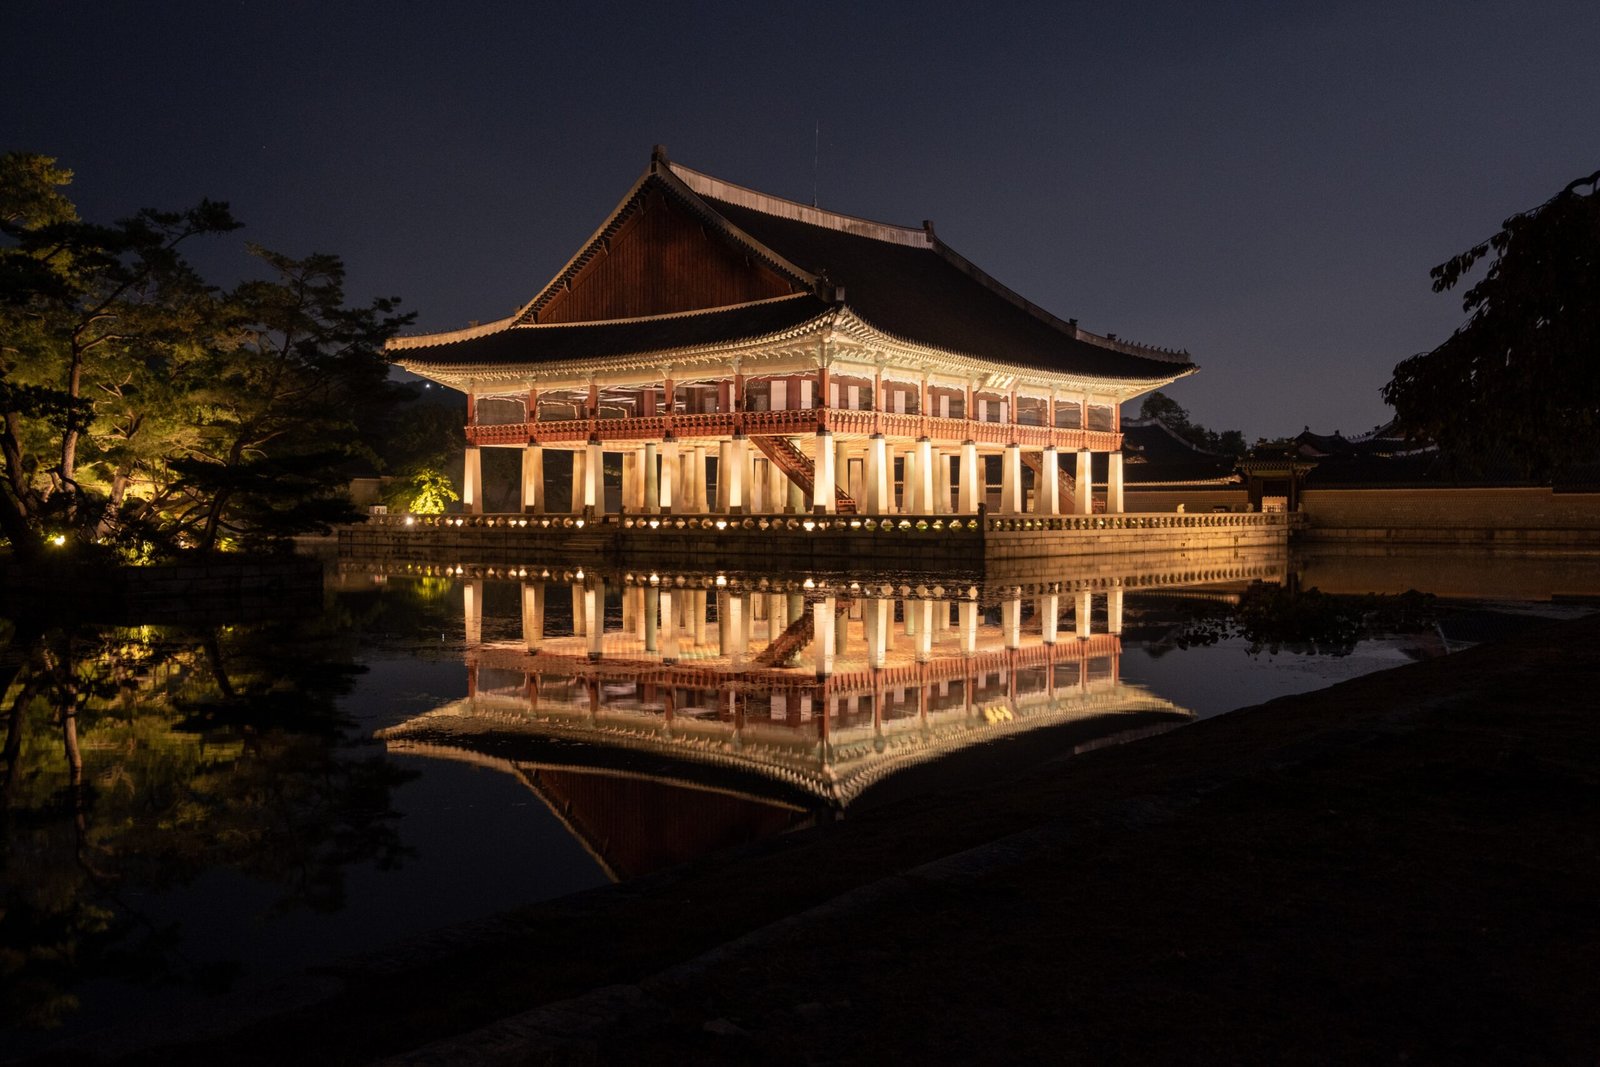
(544, 344)
(918, 295)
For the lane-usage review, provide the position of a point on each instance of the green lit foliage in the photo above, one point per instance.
(423, 491)
(1519, 382)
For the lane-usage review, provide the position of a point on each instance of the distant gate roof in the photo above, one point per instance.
(687, 259)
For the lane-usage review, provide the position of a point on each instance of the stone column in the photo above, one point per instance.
(925, 477)
(875, 616)
(1011, 481)
(472, 612)
(594, 486)
(1083, 485)
(652, 480)
(632, 483)
(877, 475)
(669, 475)
(841, 466)
(701, 482)
(669, 629)
(752, 488)
(923, 611)
(1114, 484)
(733, 474)
(533, 479)
(941, 483)
(1049, 612)
(579, 461)
(777, 488)
(1047, 490)
(594, 615)
(824, 484)
(724, 483)
(1114, 611)
(909, 503)
(472, 482)
(967, 610)
(652, 625)
(969, 488)
(533, 615)
(822, 622)
(1083, 615)
(1011, 621)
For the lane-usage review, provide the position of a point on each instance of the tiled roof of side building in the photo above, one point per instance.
(928, 295)
(536, 344)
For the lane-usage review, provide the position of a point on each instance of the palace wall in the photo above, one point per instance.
(1508, 519)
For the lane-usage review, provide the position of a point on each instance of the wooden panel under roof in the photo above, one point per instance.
(662, 260)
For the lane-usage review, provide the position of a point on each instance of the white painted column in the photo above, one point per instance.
(594, 487)
(968, 486)
(822, 622)
(1011, 481)
(824, 485)
(669, 475)
(533, 479)
(733, 474)
(841, 466)
(724, 483)
(701, 483)
(1114, 611)
(1114, 483)
(1083, 615)
(925, 480)
(1047, 490)
(878, 488)
(777, 488)
(533, 615)
(472, 482)
(941, 482)
(908, 484)
(652, 480)
(1083, 485)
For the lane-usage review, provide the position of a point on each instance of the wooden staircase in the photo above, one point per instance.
(787, 645)
(800, 469)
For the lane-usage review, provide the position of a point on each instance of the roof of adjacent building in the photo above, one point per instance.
(1156, 455)
(902, 282)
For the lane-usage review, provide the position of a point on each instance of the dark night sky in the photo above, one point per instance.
(1265, 184)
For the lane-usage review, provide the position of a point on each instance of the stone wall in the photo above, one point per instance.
(1193, 500)
(1510, 519)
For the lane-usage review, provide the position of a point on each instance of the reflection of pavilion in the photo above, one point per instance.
(661, 718)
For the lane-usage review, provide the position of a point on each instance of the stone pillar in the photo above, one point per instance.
(777, 488)
(733, 474)
(824, 483)
(941, 483)
(841, 466)
(1114, 484)
(652, 480)
(472, 612)
(579, 461)
(923, 610)
(1083, 615)
(1011, 621)
(967, 610)
(1114, 611)
(594, 614)
(1047, 490)
(878, 488)
(1049, 613)
(908, 484)
(968, 486)
(925, 478)
(752, 488)
(472, 482)
(822, 619)
(533, 615)
(876, 614)
(669, 629)
(632, 483)
(1011, 481)
(652, 625)
(594, 486)
(724, 483)
(533, 479)
(700, 482)
(669, 475)
(1083, 485)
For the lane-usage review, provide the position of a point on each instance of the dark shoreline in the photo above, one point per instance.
(1401, 865)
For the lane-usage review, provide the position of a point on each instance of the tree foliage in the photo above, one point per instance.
(1175, 417)
(1518, 382)
(141, 406)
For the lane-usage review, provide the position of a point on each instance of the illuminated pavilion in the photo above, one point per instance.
(749, 354)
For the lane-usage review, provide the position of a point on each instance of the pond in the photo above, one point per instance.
(190, 810)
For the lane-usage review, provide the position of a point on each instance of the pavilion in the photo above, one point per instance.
(747, 354)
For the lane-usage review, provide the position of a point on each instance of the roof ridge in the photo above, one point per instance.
(690, 313)
(728, 192)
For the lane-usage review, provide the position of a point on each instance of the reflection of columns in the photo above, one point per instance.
(1083, 485)
(697, 609)
(533, 615)
(594, 614)
(1082, 614)
(971, 493)
(923, 609)
(875, 616)
(578, 463)
(578, 627)
(533, 479)
(593, 472)
(941, 483)
(824, 482)
(877, 475)
(967, 611)
(1114, 484)
(1047, 489)
(669, 630)
(1049, 610)
(472, 612)
(669, 473)
(472, 482)
(652, 628)
(1011, 481)
(652, 480)
(822, 624)
(925, 500)
(730, 624)
(633, 611)
(1011, 621)
(1114, 611)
